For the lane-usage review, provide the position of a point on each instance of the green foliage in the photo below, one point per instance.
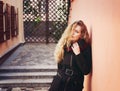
(59, 28)
(60, 25)
(37, 20)
(30, 9)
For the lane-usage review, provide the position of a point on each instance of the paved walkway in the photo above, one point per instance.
(30, 56)
(35, 54)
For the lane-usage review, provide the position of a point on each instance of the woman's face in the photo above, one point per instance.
(76, 33)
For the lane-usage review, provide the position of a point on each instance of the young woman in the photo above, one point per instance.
(73, 54)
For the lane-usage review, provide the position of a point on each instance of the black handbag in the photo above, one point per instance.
(55, 85)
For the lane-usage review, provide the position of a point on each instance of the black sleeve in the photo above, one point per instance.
(84, 60)
(59, 65)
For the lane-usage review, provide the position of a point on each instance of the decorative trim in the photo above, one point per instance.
(8, 53)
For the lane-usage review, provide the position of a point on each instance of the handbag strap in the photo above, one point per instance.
(71, 57)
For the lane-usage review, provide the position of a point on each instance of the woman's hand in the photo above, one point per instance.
(76, 49)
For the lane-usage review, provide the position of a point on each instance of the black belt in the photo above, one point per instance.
(68, 71)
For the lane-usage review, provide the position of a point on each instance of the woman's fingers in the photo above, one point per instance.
(75, 47)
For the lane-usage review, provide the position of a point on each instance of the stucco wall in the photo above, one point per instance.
(10, 44)
(102, 18)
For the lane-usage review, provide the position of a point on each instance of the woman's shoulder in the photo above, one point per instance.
(83, 44)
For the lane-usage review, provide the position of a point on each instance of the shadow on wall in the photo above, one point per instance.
(88, 78)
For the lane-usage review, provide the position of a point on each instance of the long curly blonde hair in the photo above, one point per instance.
(65, 39)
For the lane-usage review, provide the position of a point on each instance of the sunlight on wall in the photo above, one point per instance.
(102, 17)
(10, 44)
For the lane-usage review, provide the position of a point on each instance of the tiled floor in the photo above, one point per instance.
(35, 54)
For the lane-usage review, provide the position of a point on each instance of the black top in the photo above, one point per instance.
(82, 62)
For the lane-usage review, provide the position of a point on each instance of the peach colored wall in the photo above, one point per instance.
(10, 44)
(102, 17)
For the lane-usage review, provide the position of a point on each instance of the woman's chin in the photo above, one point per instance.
(73, 41)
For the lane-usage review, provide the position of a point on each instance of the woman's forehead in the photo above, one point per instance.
(77, 27)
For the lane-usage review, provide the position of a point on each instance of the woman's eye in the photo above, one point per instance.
(76, 31)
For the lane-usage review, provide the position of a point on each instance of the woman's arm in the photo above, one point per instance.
(84, 60)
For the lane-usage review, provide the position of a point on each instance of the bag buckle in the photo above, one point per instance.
(69, 72)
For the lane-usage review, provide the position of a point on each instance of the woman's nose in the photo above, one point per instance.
(73, 33)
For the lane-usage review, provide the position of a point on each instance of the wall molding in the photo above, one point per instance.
(9, 52)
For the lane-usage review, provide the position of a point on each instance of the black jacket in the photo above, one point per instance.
(82, 62)
(81, 65)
